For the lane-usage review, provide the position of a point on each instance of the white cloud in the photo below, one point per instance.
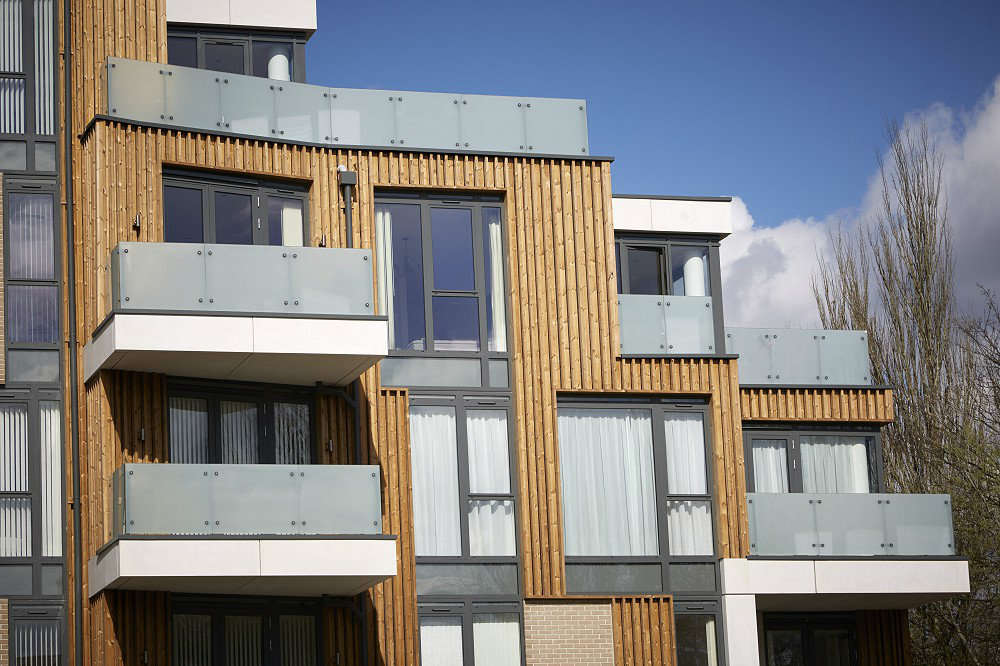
(766, 270)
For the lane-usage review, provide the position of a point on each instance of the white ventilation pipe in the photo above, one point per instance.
(694, 274)
(278, 67)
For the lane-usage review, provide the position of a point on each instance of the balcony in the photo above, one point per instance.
(800, 357)
(666, 325)
(833, 552)
(290, 315)
(304, 530)
(218, 103)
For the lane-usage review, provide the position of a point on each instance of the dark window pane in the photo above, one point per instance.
(222, 57)
(15, 579)
(831, 647)
(182, 213)
(297, 640)
(456, 323)
(401, 273)
(466, 579)
(192, 640)
(52, 579)
(291, 434)
(30, 244)
(689, 268)
(272, 60)
(32, 313)
(645, 270)
(45, 157)
(618, 266)
(182, 51)
(31, 365)
(613, 578)
(13, 155)
(243, 640)
(451, 242)
(696, 640)
(233, 218)
(784, 647)
(692, 577)
(284, 221)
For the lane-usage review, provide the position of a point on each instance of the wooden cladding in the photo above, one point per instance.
(842, 405)
(883, 638)
(643, 630)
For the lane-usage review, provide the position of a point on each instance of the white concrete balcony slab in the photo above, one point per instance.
(253, 313)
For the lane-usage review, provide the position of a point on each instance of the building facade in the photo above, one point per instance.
(300, 375)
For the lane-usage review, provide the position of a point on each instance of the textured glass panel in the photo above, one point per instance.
(233, 218)
(689, 527)
(32, 313)
(238, 436)
(401, 274)
(192, 640)
(30, 244)
(284, 221)
(13, 154)
(44, 71)
(182, 51)
(689, 271)
(441, 641)
(448, 579)
(451, 242)
(188, 430)
(491, 528)
(489, 451)
(493, 269)
(291, 434)
(51, 453)
(456, 323)
(496, 639)
(52, 579)
(918, 524)
(272, 60)
(222, 57)
(25, 365)
(36, 643)
(15, 527)
(690, 325)
(645, 270)
(13, 448)
(784, 647)
(613, 578)
(642, 324)
(243, 641)
(431, 372)
(692, 577)
(12, 106)
(499, 377)
(782, 524)
(297, 640)
(182, 215)
(696, 640)
(45, 156)
(15, 579)
(10, 36)
(434, 461)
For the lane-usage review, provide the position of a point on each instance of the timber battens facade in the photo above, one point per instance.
(446, 400)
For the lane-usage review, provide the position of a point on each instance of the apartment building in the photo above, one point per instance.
(298, 375)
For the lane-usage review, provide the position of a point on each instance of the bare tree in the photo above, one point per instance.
(894, 277)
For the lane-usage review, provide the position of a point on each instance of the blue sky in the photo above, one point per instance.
(780, 103)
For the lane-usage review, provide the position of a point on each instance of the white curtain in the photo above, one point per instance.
(770, 465)
(434, 461)
(496, 639)
(244, 640)
(685, 439)
(489, 459)
(15, 512)
(291, 223)
(383, 259)
(441, 641)
(834, 464)
(192, 640)
(188, 430)
(710, 643)
(238, 438)
(15, 527)
(497, 304)
(606, 463)
(291, 434)
(491, 528)
(689, 527)
(50, 417)
(36, 643)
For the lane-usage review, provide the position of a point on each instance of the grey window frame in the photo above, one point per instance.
(259, 190)
(263, 395)
(30, 137)
(697, 605)
(459, 200)
(268, 608)
(659, 407)
(794, 457)
(807, 623)
(27, 185)
(433, 606)
(32, 398)
(44, 611)
(247, 38)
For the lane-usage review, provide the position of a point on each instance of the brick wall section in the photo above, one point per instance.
(568, 633)
(4, 624)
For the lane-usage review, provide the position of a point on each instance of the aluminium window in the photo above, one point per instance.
(636, 497)
(249, 425)
(660, 265)
(454, 633)
(267, 55)
(36, 635)
(202, 209)
(812, 461)
(212, 632)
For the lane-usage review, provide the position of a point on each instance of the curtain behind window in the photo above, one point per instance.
(685, 439)
(770, 465)
(192, 640)
(15, 512)
(441, 641)
(188, 430)
(298, 640)
(36, 643)
(434, 461)
(238, 437)
(609, 502)
(291, 434)
(834, 464)
(496, 639)
(51, 448)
